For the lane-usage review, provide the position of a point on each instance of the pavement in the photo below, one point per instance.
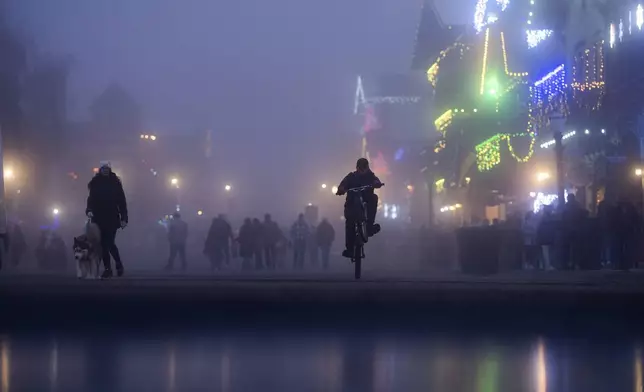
(287, 287)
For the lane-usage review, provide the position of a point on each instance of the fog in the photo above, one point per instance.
(252, 94)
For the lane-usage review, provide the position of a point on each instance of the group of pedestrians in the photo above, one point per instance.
(570, 239)
(259, 244)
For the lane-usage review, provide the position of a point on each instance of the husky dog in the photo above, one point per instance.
(88, 252)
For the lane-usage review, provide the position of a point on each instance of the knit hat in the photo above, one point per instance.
(105, 164)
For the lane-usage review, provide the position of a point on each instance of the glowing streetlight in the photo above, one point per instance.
(542, 176)
(9, 174)
(199, 212)
(638, 172)
(410, 188)
(228, 188)
(174, 181)
(55, 211)
(334, 190)
(153, 138)
(323, 186)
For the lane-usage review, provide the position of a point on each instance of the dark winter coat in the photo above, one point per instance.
(106, 200)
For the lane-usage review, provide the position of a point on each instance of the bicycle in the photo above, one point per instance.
(360, 226)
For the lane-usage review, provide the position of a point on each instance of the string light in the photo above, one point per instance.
(505, 60)
(611, 35)
(639, 16)
(563, 137)
(488, 153)
(533, 139)
(534, 37)
(621, 30)
(503, 3)
(432, 72)
(484, 67)
(444, 120)
(588, 84)
(550, 85)
(359, 99)
(479, 15)
(393, 100)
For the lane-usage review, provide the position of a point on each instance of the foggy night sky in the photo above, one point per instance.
(279, 71)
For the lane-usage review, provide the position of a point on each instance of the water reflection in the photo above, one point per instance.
(257, 362)
(5, 366)
(637, 369)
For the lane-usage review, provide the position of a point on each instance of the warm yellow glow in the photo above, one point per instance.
(55, 211)
(444, 120)
(639, 383)
(484, 67)
(5, 366)
(543, 176)
(541, 371)
(9, 174)
(638, 172)
(410, 188)
(199, 212)
(323, 186)
(334, 190)
(227, 188)
(440, 185)
(174, 181)
(152, 137)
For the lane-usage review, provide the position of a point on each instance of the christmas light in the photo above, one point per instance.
(479, 15)
(484, 67)
(534, 37)
(488, 153)
(432, 72)
(621, 30)
(639, 17)
(563, 137)
(359, 100)
(549, 86)
(503, 3)
(530, 153)
(444, 120)
(505, 60)
(393, 100)
(611, 35)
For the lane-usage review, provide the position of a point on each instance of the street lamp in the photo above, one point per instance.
(542, 176)
(9, 174)
(55, 211)
(175, 182)
(334, 190)
(323, 186)
(228, 188)
(638, 172)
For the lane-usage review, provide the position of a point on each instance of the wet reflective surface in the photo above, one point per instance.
(256, 360)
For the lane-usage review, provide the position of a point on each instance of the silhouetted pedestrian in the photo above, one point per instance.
(299, 235)
(325, 235)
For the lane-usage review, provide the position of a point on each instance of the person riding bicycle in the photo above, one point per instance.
(363, 176)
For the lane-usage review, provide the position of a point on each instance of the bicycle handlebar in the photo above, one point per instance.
(361, 188)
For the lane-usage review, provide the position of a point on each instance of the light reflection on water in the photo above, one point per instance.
(316, 363)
